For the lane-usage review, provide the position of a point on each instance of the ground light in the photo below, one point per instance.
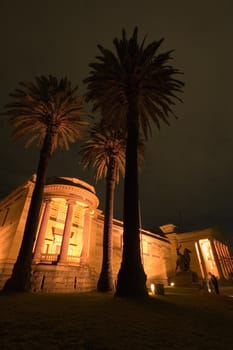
(152, 288)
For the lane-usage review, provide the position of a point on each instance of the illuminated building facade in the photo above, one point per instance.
(67, 253)
(208, 252)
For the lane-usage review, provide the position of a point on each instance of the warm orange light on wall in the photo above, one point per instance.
(199, 259)
(208, 256)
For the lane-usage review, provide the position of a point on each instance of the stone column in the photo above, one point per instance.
(229, 260)
(42, 231)
(202, 261)
(216, 259)
(86, 234)
(66, 233)
(221, 248)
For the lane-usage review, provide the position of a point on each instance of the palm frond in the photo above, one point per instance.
(134, 68)
(47, 103)
(103, 144)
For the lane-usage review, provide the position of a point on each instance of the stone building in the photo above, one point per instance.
(67, 253)
(209, 252)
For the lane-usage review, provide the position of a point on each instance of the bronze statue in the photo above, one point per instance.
(183, 260)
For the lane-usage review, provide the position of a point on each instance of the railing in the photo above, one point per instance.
(48, 258)
(73, 259)
(52, 258)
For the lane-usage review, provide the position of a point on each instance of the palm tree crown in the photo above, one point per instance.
(47, 106)
(49, 113)
(102, 145)
(131, 88)
(105, 150)
(136, 70)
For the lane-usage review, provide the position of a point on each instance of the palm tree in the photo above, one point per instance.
(130, 88)
(104, 150)
(49, 113)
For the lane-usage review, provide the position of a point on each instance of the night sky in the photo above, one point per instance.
(187, 175)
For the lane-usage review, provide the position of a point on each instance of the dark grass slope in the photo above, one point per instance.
(178, 320)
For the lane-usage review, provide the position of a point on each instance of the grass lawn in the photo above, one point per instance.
(181, 319)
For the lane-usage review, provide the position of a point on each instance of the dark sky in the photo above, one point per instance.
(188, 171)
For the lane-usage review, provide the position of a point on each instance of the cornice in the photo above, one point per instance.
(68, 192)
(16, 194)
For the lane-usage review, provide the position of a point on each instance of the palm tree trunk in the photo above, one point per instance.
(21, 274)
(105, 282)
(131, 280)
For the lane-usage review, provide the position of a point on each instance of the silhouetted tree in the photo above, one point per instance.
(104, 150)
(130, 88)
(49, 113)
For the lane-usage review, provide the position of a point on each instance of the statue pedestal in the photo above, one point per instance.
(185, 279)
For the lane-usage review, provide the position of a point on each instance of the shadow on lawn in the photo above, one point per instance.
(95, 321)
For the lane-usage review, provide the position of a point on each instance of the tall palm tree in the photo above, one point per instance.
(131, 87)
(48, 112)
(104, 150)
